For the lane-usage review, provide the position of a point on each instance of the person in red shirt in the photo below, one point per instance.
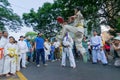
(107, 48)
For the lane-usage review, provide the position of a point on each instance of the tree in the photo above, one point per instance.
(43, 20)
(7, 17)
(95, 12)
(31, 35)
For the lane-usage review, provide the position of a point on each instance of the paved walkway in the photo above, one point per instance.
(84, 71)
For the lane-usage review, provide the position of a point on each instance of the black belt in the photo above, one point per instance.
(65, 46)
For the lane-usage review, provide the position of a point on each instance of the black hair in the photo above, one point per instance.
(3, 32)
(38, 33)
(21, 36)
(95, 31)
(78, 8)
(15, 41)
(12, 38)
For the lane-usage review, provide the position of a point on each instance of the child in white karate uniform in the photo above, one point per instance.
(23, 49)
(11, 51)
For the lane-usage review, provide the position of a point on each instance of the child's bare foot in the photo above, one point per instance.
(17, 70)
(0, 75)
(13, 74)
(7, 75)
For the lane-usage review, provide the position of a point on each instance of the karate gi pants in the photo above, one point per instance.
(68, 52)
(99, 55)
(18, 63)
(9, 65)
(103, 57)
(1, 65)
(23, 58)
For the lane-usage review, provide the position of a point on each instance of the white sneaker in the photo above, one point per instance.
(24, 67)
(45, 64)
(38, 65)
(53, 61)
(73, 67)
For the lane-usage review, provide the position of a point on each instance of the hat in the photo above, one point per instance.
(117, 38)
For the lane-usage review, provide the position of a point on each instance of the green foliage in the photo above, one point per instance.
(7, 17)
(45, 18)
(31, 35)
(118, 24)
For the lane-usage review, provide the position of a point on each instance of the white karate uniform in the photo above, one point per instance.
(3, 42)
(77, 30)
(56, 44)
(47, 50)
(97, 54)
(10, 62)
(67, 51)
(22, 51)
(19, 59)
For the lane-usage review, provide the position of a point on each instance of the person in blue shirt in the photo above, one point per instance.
(39, 46)
(29, 53)
(52, 52)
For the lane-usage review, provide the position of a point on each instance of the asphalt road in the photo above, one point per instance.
(84, 71)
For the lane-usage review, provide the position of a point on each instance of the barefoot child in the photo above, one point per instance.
(10, 57)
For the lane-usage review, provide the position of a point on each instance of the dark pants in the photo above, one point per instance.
(57, 53)
(115, 54)
(51, 55)
(40, 52)
(34, 55)
(29, 56)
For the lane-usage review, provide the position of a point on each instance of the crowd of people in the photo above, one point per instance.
(15, 55)
(11, 54)
(98, 50)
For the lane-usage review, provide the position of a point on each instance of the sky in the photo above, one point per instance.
(24, 6)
